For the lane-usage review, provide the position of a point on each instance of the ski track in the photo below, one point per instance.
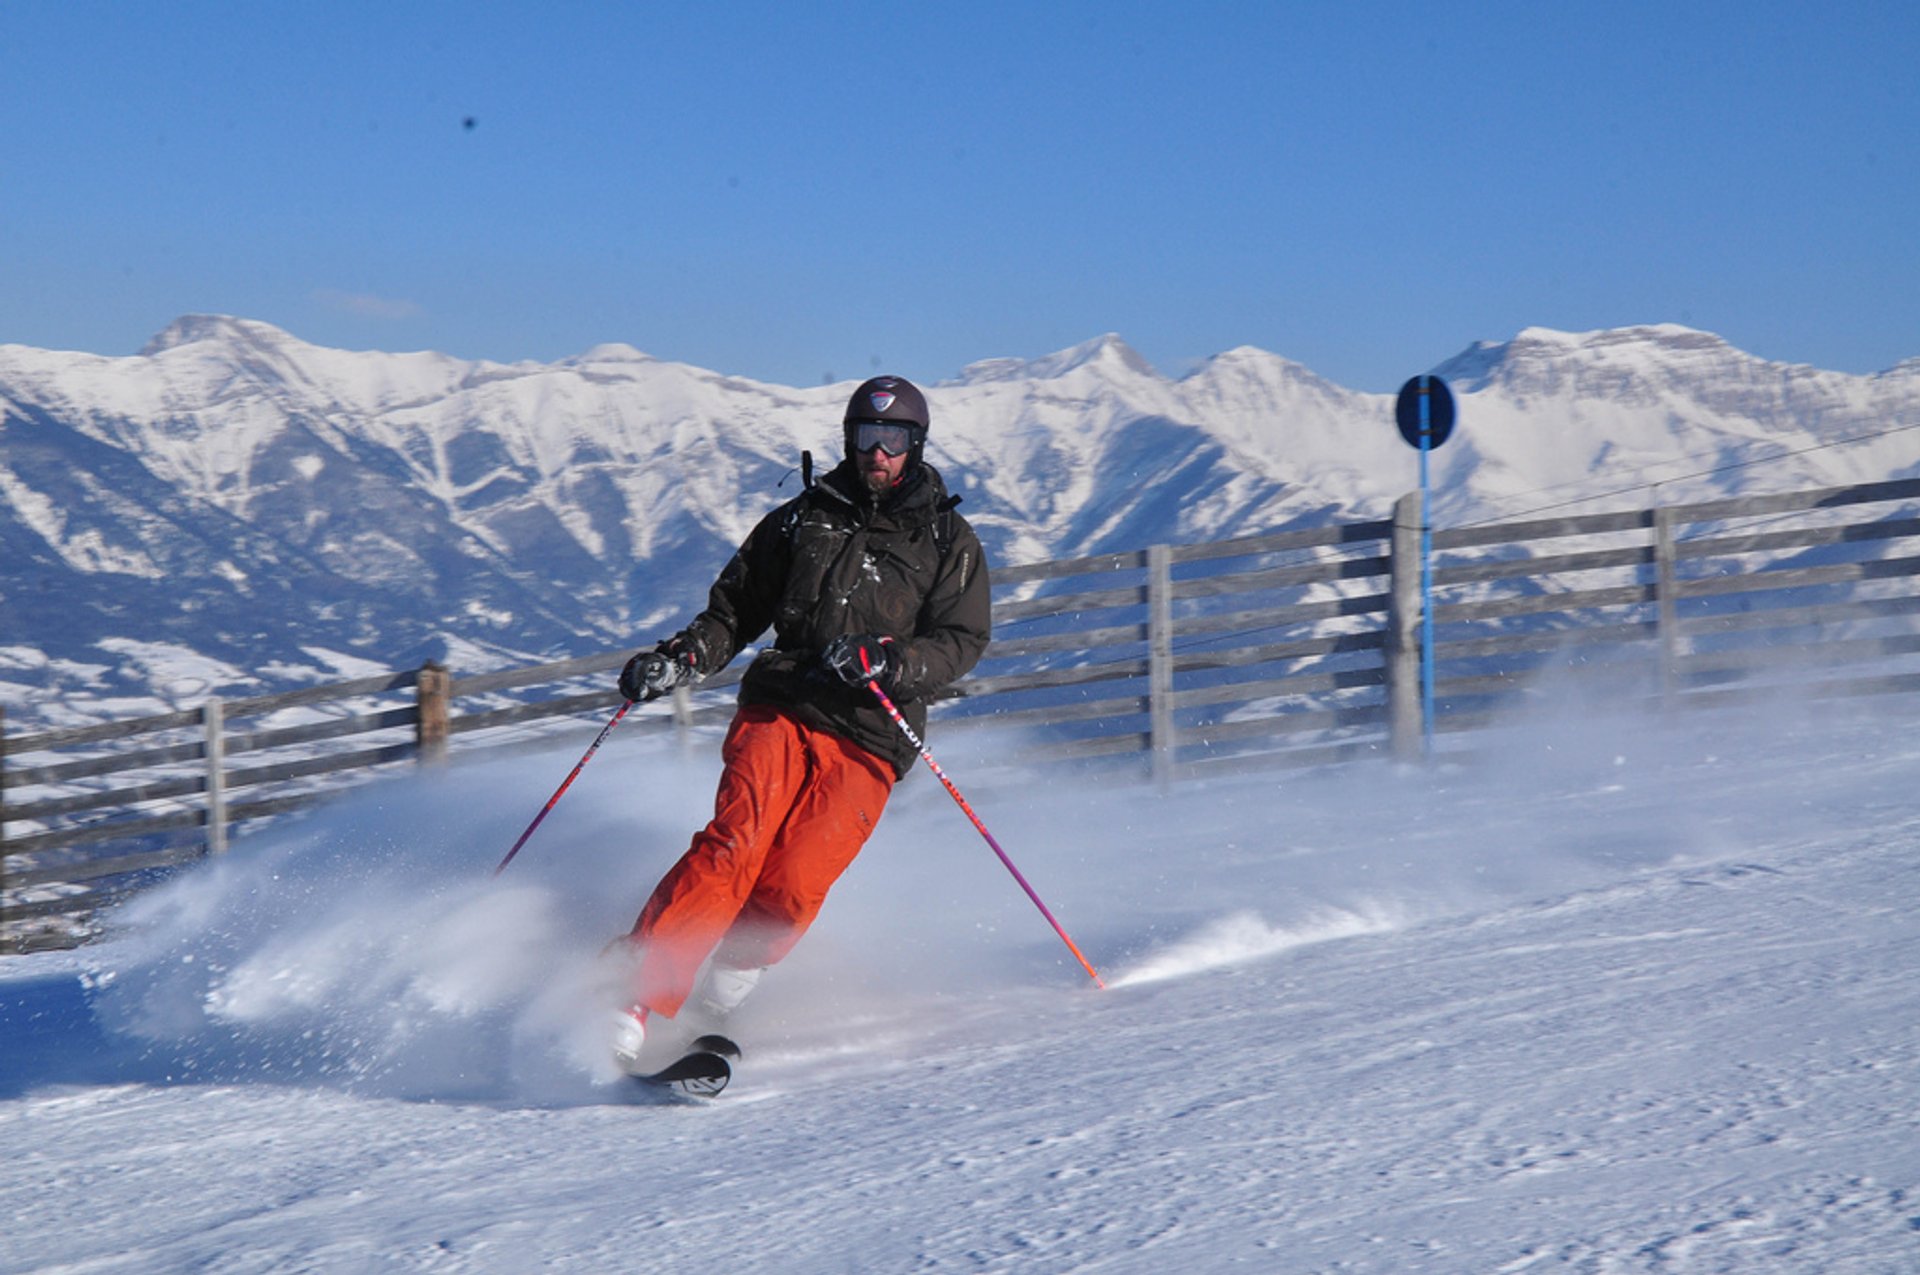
(1365, 1050)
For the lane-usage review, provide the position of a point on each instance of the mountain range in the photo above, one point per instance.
(234, 510)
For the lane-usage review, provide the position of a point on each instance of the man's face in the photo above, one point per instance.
(880, 451)
(880, 471)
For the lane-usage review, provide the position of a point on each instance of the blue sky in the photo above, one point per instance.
(796, 192)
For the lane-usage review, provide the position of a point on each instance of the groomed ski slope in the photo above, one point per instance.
(1624, 995)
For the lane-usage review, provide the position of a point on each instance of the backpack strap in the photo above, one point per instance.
(943, 531)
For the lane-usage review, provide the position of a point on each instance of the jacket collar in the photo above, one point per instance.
(917, 499)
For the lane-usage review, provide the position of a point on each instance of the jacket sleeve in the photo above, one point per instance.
(955, 622)
(741, 604)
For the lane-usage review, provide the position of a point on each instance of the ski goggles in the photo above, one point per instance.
(894, 440)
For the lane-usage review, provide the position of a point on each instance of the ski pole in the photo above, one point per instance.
(565, 783)
(934, 766)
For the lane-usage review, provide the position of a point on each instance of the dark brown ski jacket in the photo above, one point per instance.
(833, 561)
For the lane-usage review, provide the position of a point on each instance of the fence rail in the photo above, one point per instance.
(1293, 648)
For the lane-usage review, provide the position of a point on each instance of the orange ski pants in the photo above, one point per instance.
(794, 807)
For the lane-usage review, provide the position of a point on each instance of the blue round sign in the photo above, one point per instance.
(1424, 412)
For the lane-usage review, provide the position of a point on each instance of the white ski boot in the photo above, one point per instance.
(724, 988)
(629, 1037)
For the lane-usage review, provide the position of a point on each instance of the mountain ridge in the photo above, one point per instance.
(252, 499)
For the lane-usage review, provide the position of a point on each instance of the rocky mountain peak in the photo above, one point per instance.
(199, 329)
(1107, 353)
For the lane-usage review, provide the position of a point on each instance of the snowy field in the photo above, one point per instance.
(1624, 995)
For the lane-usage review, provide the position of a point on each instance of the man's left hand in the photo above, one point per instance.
(859, 658)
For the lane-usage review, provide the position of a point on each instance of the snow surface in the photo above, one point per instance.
(1621, 995)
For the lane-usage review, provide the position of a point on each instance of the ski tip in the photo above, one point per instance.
(716, 1044)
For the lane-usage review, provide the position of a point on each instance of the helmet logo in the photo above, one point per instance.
(881, 400)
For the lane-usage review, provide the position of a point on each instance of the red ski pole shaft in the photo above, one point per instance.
(565, 784)
(893, 712)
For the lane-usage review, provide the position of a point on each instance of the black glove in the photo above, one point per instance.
(859, 658)
(651, 674)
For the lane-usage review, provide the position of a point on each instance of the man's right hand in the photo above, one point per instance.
(651, 674)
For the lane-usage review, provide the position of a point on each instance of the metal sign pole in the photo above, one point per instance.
(1426, 570)
(1424, 414)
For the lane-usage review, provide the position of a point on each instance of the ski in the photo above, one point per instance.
(702, 1072)
(695, 1075)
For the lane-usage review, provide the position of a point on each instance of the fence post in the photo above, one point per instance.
(213, 717)
(683, 717)
(1406, 729)
(3, 816)
(1668, 622)
(1163, 738)
(433, 693)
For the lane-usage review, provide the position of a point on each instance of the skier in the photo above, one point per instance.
(867, 575)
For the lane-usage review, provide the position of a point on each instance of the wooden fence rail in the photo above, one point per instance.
(1294, 648)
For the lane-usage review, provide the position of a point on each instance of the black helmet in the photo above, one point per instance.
(893, 400)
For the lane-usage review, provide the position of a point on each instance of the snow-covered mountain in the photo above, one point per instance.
(233, 508)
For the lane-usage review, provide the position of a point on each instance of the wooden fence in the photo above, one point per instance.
(1290, 649)
(1711, 604)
